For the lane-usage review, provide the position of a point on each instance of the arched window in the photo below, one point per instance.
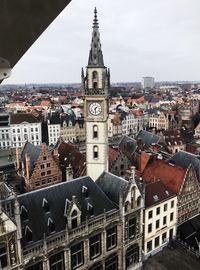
(74, 218)
(95, 152)
(95, 85)
(126, 207)
(139, 201)
(95, 131)
(94, 75)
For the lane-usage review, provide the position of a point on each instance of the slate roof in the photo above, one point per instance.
(32, 151)
(19, 118)
(56, 196)
(147, 138)
(189, 231)
(184, 159)
(128, 144)
(112, 185)
(156, 192)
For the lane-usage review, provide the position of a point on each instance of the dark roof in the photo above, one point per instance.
(156, 192)
(189, 232)
(19, 118)
(147, 138)
(112, 186)
(184, 159)
(32, 151)
(56, 196)
(128, 144)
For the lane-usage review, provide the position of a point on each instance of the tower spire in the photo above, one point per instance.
(95, 55)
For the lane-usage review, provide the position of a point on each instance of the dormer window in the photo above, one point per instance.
(90, 209)
(74, 219)
(45, 205)
(50, 225)
(85, 191)
(67, 204)
(24, 213)
(28, 234)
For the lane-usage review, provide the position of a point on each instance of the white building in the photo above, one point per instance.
(25, 127)
(148, 82)
(160, 217)
(5, 132)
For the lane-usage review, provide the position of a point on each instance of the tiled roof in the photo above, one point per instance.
(156, 192)
(69, 154)
(113, 155)
(19, 118)
(171, 175)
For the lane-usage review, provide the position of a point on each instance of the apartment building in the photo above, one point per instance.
(160, 217)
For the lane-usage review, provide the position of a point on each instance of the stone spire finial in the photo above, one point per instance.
(95, 23)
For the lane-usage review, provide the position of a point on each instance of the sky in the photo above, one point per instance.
(139, 38)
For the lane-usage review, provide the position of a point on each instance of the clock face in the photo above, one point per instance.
(95, 108)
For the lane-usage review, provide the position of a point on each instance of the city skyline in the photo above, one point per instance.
(152, 39)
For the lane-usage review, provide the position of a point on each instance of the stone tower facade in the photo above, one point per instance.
(96, 83)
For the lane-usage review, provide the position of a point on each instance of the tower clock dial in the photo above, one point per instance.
(95, 108)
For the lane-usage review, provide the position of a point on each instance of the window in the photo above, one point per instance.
(48, 165)
(56, 261)
(24, 213)
(164, 220)
(94, 75)
(37, 266)
(171, 234)
(42, 166)
(74, 219)
(164, 237)
(171, 216)
(157, 223)
(50, 225)
(149, 246)
(95, 131)
(95, 152)
(172, 204)
(97, 266)
(31, 129)
(44, 158)
(157, 241)
(165, 207)
(158, 211)
(25, 130)
(3, 255)
(42, 173)
(111, 262)
(131, 227)
(150, 228)
(36, 129)
(45, 205)
(111, 238)
(77, 255)
(150, 214)
(132, 255)
(48, 172)
(95, 246)
(18, 130)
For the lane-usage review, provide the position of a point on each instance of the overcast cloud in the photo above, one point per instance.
(139, 38)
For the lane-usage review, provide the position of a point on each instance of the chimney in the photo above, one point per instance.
(69, 173)
(18, 154)
(28, 166)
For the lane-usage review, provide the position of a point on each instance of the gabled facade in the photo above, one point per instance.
(38, 166)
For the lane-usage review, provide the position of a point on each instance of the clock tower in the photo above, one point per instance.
(96, 83)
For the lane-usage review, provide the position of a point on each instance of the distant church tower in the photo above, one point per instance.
(96, 84)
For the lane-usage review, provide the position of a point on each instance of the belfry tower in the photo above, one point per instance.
(96, 84)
